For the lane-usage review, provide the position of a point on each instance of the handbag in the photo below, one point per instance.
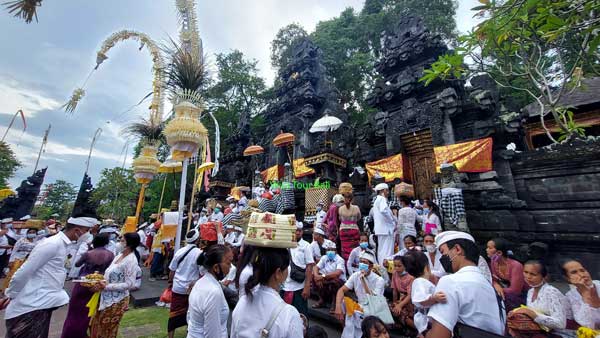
(377, 306)
(297, 274)
(265, 332)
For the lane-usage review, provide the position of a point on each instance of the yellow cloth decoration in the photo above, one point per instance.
(586, 332)
(4, 193)
(93, 304)
(389, 168)
(351, 306)
(130, 224)
(469, 157)
(301, 170)
(270, 174)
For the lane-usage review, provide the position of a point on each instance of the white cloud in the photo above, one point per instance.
(15, 95)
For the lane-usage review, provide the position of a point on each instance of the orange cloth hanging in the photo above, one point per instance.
(469, 157)
(301, 170)
(390, 168)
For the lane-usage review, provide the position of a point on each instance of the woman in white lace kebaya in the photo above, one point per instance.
(546, 306)
(120, 277)
(584, 296)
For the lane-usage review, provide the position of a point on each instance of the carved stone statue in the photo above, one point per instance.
(27, 193)
(84, 205)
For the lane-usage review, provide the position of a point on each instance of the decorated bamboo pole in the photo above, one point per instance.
(190, 213)
(138, 209)
(181, 203)
(162, 193)
(44, 142)
(13, 121)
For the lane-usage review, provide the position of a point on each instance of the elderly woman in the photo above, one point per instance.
(507, 274)
(546, 311)
(349, 215)
(19, 254)
(584, 296)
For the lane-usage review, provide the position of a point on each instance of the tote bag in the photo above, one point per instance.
(377, 306)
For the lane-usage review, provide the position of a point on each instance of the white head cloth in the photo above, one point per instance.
(319, 231)
(87, 222)
(108, 230)
(6, 220)
(192, 236)
(229, 226)
(238, 228)
(381, 186)
(338, 198)
(299, 225)
(329, 246)
(446, 236)
(368, 255)
(26, 217)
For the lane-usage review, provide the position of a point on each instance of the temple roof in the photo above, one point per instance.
(587, 93)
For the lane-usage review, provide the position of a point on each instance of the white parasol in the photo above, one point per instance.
(325, 124)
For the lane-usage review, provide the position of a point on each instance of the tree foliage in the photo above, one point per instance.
(539, 47)
(351, 43)
(8, 164)
(59, 200)
(116, 192)
(237, 92)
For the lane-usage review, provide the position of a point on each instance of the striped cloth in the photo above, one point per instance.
(233, 219)
(286, 200)
(267, 205)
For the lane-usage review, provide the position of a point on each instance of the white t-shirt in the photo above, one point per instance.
(375, 283)
(208, 311)
(314, 245)
(421, 290)
(244, 276)
(187, 271)
(301, 256)
(354, 259)
(327, 266)
(471, 300)
(231, 278)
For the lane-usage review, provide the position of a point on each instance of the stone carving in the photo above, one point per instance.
(449, 103)
(84, 205)
(27, 193)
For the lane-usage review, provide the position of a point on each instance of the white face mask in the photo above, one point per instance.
(430, 248)
(119, 248)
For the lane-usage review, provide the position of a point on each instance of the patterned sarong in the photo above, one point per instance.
(350, 238)
(178, 311)
(34, 324)
(105, 323)
(14, 266)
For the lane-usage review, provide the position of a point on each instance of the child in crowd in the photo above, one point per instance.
(402, 308)
(422, 290)
(353, 258)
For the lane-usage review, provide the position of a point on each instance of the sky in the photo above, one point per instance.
(41, 63)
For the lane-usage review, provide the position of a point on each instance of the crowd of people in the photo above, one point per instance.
(429, 281)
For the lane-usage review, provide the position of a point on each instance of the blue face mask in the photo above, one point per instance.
(331, 255)
(364, 245)
(363, 267)
(419, 211)
(217, 210)
(426, 211)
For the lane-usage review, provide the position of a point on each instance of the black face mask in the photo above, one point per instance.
(446, 263)
(220, 275)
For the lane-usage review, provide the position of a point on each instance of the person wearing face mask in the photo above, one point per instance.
(363, 282)
(385, 223)
(96, 259)
(353, 258)
(410, 244)
(329, 274)
(120, 278)
(4, 245)
(507, 274)
(470, 298)
(20, 252)
(81, 247)
(320, 216)
(319, 244)
(217, 215)
(433, 256)
(203, 218)
(431, 218)
(36, 289)
(261, 310)
(546, 310)
(402, 308)
(112, 238)
(584, 294)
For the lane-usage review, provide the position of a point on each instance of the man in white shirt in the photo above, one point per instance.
(320, 216)
(4, 246)
(470, 298)
(357, 281)
(36, 289)
(296, 288)
(319, 244)
(354, 257)
(329, 275)
(184, 272)
(385, 223)
(229, 234)
(238, 237)
(217, 215)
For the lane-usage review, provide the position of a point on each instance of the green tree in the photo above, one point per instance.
(59, 200)
(8, 164)
(281, 46)
(116, 192)
(539, 47)
(238, 92)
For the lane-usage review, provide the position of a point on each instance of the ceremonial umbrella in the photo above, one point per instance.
(326, 123)
(253, 150)
(168, 167)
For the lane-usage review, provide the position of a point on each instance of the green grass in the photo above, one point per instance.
(150, 315)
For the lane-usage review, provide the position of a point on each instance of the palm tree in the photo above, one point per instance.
(25, 9)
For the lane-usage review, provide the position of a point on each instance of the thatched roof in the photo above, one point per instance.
(587, 93)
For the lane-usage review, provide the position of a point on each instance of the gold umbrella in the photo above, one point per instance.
(169, 167)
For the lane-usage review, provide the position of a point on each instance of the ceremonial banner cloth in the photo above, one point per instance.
(130, 224)
(301, 170)
(469, 157)
(390, 168)
(270, 174)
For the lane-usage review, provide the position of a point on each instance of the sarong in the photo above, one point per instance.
(178, 311)
(105, 323)
(34, 324)
(77, 321)
(329, 290)
(14, 266)
(349, 238)
(522, 326)
(294, 298)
